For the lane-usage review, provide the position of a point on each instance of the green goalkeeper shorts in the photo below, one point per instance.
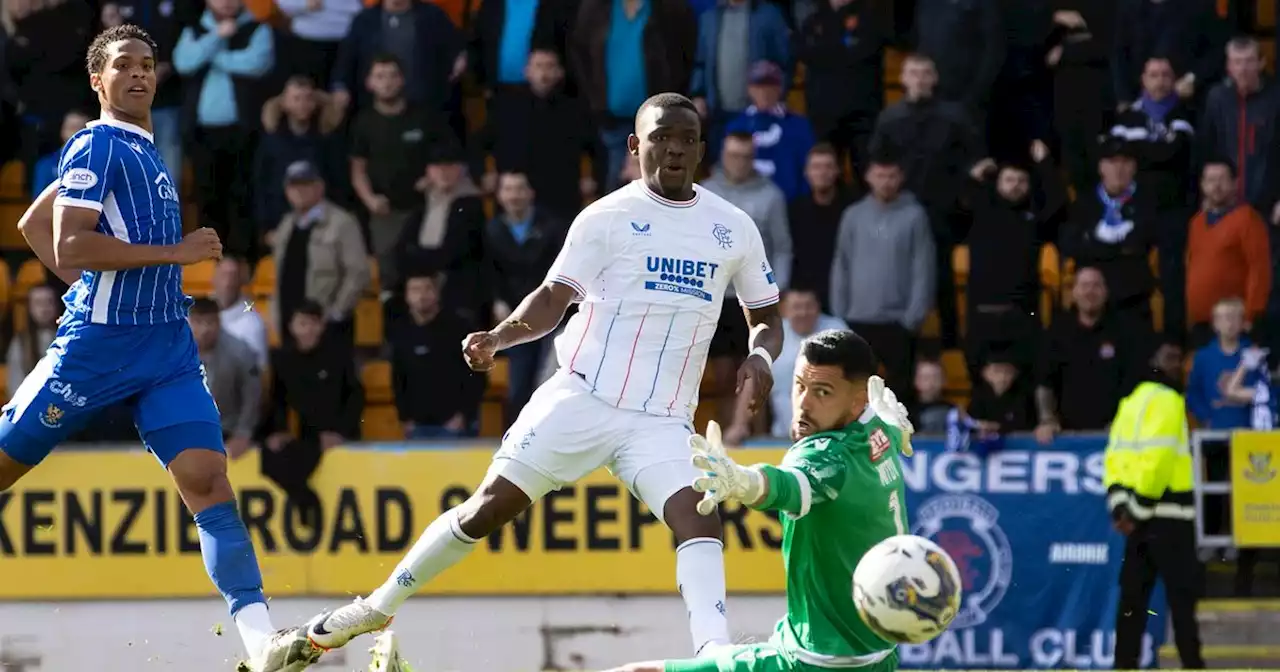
(765, 658)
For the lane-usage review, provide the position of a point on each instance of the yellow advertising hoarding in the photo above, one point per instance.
(110, 525)
(1255, 488)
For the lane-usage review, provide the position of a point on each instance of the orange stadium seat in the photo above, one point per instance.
(10, 213)
(264, 277)
(376, 378)
(197, 279)
(491, 416)
(380, 422)
(368, 323)
(375, 279)
(1266, 14)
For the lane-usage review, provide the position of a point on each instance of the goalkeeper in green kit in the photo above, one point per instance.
(840, 491)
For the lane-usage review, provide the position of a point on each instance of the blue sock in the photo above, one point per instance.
(229, 557)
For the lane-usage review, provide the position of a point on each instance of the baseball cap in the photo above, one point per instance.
(1111, 147)
(764, 73)
(301, 171)
(446, 151)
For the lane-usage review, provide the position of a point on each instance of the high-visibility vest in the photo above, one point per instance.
(1148, 466)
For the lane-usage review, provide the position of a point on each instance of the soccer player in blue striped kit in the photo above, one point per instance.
(114, 219)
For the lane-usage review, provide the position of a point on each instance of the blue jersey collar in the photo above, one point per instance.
(124, 126)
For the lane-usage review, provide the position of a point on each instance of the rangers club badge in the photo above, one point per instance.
(879, 444)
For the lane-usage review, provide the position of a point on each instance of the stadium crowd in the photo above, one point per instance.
(1031, 195)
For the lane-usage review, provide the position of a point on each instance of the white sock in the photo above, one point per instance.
(700, 576)
(254, 623)
(441, 546)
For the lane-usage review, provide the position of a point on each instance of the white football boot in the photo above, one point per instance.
(334, 630)
(289, 650)
(386, 654)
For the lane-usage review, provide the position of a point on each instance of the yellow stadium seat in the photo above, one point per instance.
(1266, 14)
(263, 306)
(491, 424)
(1050, 267)
(500, 375)
(12, 179)
(960, 264)
(893, 66)
(893, 95)
(197, 279)
(376, 377)
(956, 370)
(375, 279)
(264, 277)
(932, 327)
(10, 238)
(381, 423)
(368, 323)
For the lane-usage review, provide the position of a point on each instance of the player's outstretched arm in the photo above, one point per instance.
(77, 244)
(36, 227)
(537, 315)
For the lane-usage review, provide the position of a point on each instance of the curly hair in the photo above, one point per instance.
(96, 59)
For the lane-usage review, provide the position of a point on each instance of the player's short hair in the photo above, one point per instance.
(96, 58)
(842, 348)
(386, 58)
(204, 307)
(666, 101)
(1221, 161)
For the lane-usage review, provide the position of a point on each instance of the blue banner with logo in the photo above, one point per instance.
(1031, 536)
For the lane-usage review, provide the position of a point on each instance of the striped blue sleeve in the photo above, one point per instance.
(85, 171)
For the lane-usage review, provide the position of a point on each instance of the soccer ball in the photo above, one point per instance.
(907, 589)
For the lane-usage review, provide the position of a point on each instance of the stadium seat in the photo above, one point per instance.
(960, 264)
(376, 378)
(197, 279)
(12, 181)
(956, 369)
(30, 274)
(368, 317)
(1266, 15)
(491, 419)
(263, 306)
(893, 67)
(10, 238)
(375, 279)
(499, 377)
(380, 422)
(264, 277)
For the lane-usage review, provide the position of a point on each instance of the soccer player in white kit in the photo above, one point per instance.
(650, 264)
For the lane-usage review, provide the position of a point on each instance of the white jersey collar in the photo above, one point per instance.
(124, 126)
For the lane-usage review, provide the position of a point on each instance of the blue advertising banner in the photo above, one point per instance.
(1029, 531)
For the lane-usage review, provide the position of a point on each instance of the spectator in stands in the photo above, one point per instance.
(1213, 367)
(232, 373)
(319, 255)
(935, 164)
(1080, 56)
(46, 168)
(238, 317)
(505, 36)
(842, 45)
(520, 244)
(802, 317)
(882, 279)
(620, 53)
(28, 346)
(814, 219)
(446, 232)
(1010, 225)
(221, 60)
(1021, 109)
(1228, 253)
(390, 139)
(295, 128)
(314, 377)
(1158, 128)
(1092, 357)
(782, 138)
(967, 41)
(163, 21)
(44, 58)
(732, 37)
(309, 46)
(418, 36)
(929, 412)
(1002, 400)
(436, 395)
(737, 181)
(1114, 229)
(1247, 98)
(538, 130)
(1188, 33)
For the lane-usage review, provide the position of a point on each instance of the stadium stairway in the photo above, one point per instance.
(1237, 634)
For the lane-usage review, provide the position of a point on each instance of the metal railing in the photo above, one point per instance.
(1206, 488)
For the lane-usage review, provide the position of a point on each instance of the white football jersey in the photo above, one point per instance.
(651, 274)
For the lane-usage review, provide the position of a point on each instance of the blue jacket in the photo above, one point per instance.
(1210, 370)
(782, 141)
(770, 41)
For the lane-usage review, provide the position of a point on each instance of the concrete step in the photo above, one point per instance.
(1239, 634)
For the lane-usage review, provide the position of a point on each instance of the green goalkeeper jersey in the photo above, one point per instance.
(840, 493)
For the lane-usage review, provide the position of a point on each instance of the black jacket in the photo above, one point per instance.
(458, 256)
(1253, 149)
(936, 142)
(1124, 262)
(45, 58)
(281, 147)
(966, 40)
(322, 386)
(1187, 32)
(843, 56)
(429, 379)
(438, 44)
(1164, 151)
(516, 270)
(550, 31)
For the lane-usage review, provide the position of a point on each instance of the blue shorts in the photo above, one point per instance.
(156, 370)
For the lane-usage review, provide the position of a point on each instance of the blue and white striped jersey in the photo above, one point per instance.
(114, 167)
